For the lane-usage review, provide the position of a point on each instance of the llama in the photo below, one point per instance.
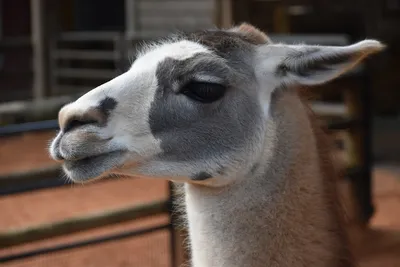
(220, 111)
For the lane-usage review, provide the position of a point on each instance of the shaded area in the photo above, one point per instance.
(376, 246)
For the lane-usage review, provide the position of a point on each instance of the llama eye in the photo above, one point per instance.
(204, 92)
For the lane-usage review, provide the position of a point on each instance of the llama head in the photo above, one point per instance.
(193, 108)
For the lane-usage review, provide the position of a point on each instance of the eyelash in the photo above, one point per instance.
(204, 92)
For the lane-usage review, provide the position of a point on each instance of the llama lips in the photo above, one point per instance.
(92, 167)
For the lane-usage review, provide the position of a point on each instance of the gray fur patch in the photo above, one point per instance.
(192, 131)
(223, 41)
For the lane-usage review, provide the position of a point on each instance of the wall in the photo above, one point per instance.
(99, 15)
(150, 16)
(15, 51)
(163, 16)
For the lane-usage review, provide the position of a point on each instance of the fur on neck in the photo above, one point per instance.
(286, 213)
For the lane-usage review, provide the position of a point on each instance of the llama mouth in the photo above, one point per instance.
(93, 167)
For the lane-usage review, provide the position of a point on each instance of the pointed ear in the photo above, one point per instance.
(252, 33)
(312, 65)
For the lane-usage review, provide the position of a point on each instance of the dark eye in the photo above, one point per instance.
(204, 92)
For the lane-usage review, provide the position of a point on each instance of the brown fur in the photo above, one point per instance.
(252, 33)
(331, 177)
(237, 38)
(309, 197)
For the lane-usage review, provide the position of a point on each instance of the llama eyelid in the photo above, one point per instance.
(208, 79)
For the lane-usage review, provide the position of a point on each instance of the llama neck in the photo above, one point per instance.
(282, 214)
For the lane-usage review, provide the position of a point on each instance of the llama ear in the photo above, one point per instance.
(252, 33)
(312, 65)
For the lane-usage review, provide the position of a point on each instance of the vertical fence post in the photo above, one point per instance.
(121, 53)
(223, 13)
(131, 19)
(364, 183)
(359, 148)
(53, 64)
(281, 18)
(39, 48)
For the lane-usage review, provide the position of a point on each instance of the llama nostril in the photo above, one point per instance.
(59, 156)
(75, 123)
(74, 115)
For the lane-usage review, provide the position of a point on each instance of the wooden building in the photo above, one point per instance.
(43, 23)
(39, 22)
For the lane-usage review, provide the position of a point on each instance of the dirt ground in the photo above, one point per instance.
(24, 152)
(378, 246)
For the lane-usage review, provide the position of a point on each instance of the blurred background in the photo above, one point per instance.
(51, 52)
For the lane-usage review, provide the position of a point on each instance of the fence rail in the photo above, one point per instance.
(80, 244)
(82, 223)
(85, 73)
(85, 54)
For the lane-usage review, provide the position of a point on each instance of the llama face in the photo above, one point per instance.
(181, 111)
(193, 109)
